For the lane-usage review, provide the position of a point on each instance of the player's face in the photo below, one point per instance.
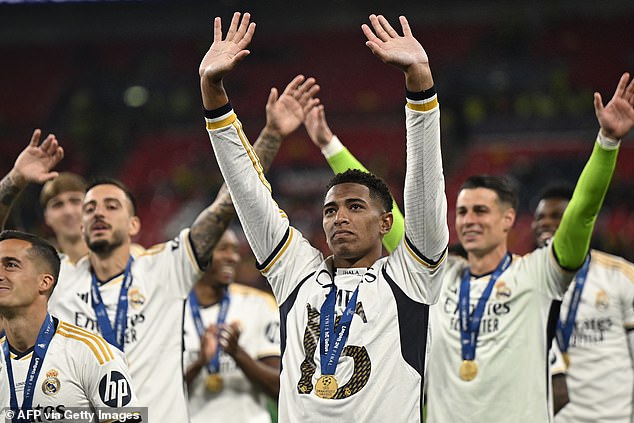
(354, 224)
(482, 222)
(20, 278)
(547, 218)
(107, 219)
(225, 258)
(63, 214)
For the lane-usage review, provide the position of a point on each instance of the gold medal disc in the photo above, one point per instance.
(566, 358)
(214, 383)
(468, 370)
(326, 386)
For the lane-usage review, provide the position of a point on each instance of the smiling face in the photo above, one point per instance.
(107, 218)
(354, 224)
(225, 259)
(22, 278)
(482, 221)
(547, 217)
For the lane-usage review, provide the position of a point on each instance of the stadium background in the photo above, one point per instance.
(117, 82)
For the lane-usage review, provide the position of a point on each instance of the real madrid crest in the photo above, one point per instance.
(502, 292)
(51, 384)
(136, 298)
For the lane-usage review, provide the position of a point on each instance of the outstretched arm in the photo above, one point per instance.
(341, 159)
(426, 232)
(34, 164)
(572, 239)
(284, 114)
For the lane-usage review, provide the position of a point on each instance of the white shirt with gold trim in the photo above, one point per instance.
(381, 369)
(600, 377)
(162, 278)
(240, 401)
(80, 371)
(511, 353)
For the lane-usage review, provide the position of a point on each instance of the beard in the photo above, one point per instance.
(104, 246)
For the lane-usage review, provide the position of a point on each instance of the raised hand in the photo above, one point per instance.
(35, 162)
(617, 117)
(223, 55)
(403, 52)
(317, 127)
(285, 113)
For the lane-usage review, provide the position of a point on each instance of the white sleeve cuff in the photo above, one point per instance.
(608, 143)
(334, 146)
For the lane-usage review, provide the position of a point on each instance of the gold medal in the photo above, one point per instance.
(566, 359)
(326, 386)
(214, 383)
(468, 370)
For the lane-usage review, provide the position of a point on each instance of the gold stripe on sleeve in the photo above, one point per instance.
(221, 123)
(424, 107)
(99, 341)
(279, 254)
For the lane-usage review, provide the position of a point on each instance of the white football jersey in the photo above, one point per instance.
(80, 372)
(381, 368)
(511, 354)
(240, 400)
(162, 277)
(600, 375)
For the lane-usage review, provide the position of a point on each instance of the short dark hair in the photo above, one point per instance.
(378, 188)
(64, 182)
(505, 190)
(40, 250)
(556, 190)
(111, 181)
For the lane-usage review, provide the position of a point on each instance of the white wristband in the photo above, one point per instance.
(333, 147)
(607, 143)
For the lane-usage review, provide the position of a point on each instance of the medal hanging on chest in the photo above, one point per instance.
(470, 322)
(214, 382)
(332, 341)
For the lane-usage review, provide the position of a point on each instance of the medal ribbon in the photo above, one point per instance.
(114, 336)
(333, 339)
(470, 324)
(39, 352)
(214, 364)
(564, 329)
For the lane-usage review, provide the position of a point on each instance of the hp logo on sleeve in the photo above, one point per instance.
(114, 390)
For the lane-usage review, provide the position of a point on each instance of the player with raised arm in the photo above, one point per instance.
(507, 328)
(232, 352)
(595, 329)
(50, 366)
(350, 324)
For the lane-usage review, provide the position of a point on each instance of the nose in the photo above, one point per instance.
(341, 216)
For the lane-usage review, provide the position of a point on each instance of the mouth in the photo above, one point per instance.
(342, 234)
(544, 236)
(99, 226)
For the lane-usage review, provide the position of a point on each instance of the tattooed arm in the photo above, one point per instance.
(34, 164)
(284, 114)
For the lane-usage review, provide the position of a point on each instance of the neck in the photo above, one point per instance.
(208, 294)
(74, 248)
(364, 261)
(481, 264)
(22, 327)
(108, 265)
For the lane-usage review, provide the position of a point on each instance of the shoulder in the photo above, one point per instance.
(93, 346)
(252, 295)
(612, 263)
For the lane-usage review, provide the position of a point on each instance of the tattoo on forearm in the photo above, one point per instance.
(9, 191)
(266, 147)
(211, 223)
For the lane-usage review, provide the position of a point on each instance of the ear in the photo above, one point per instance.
(387, 219)
(508, 219)
(134, 226)
(46, 283)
